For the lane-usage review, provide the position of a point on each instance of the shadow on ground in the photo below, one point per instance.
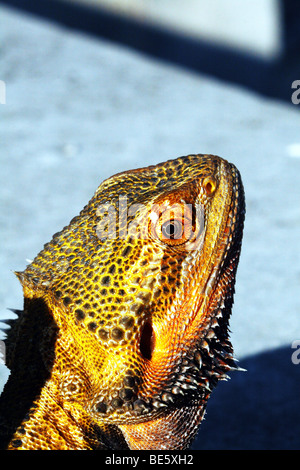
(270, 77)
(257, 409)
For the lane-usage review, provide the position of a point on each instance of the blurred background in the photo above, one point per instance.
(89, 88)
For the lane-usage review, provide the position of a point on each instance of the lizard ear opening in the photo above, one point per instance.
(210, 185)
(147, 341)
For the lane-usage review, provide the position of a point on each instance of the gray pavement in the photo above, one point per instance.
(79, 110)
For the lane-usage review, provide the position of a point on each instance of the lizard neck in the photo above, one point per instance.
(34, 412)
(28, 370)
(46, 417)
(68, 425)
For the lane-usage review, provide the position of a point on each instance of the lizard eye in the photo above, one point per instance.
(172, 229)
(175, 224)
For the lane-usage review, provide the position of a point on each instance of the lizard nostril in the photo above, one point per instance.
(147, 341)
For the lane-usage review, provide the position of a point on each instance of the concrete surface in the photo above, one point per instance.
(79, 110)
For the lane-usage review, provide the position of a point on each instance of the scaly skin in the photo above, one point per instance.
(124, 331)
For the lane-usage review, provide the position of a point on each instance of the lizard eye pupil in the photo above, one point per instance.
(174, 224)
(172, 229)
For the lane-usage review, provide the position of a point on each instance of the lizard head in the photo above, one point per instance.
(140, 286)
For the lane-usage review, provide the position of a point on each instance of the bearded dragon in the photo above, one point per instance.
(124, 331)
